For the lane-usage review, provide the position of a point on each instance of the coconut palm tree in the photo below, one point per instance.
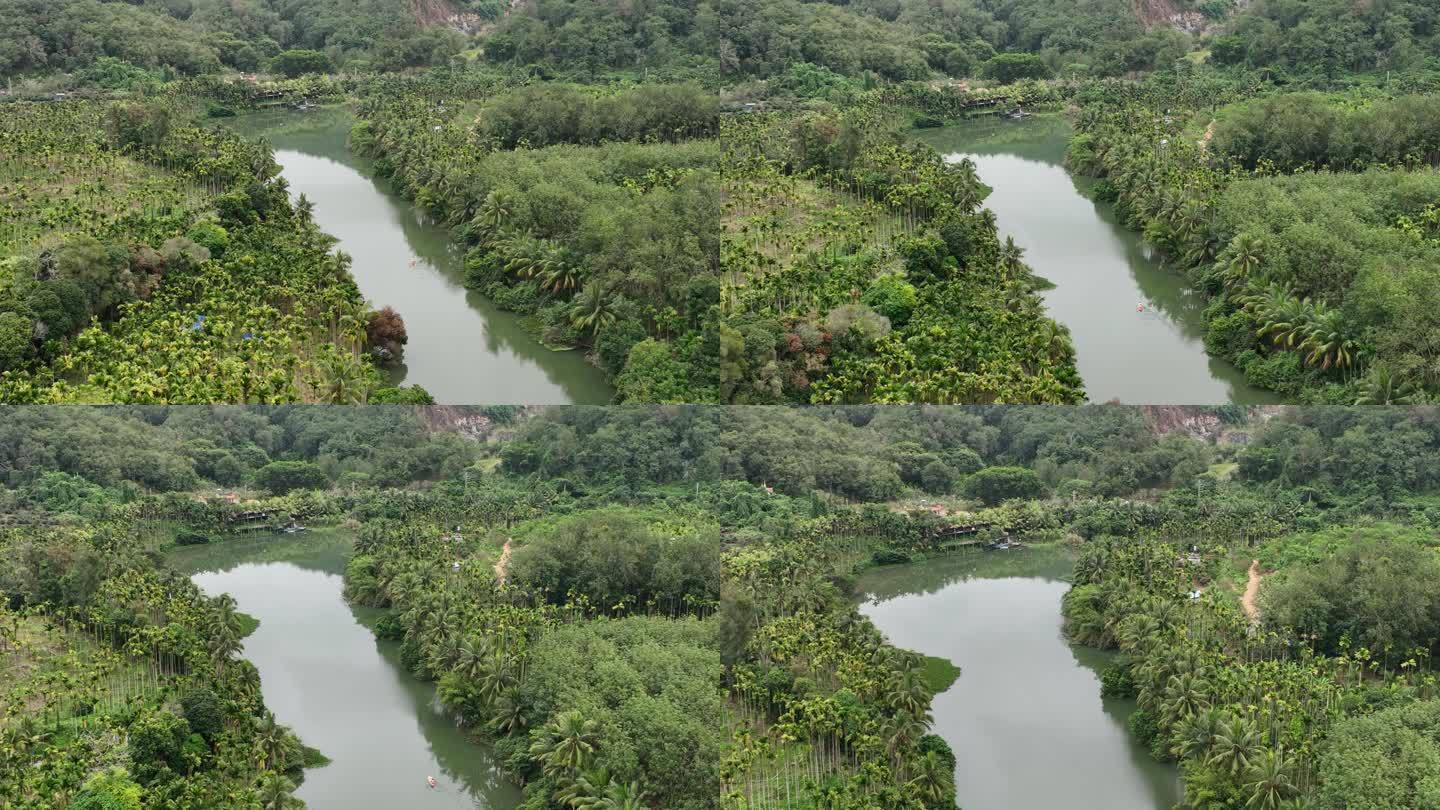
(1185, 695)
(509, 715)
(1328, 340)
(495, 213)
(304, 210)
(1289, 324)
(1195, 736)
(566, 743)
(270, 742)
(1270, 781)
(1236, 746)
(274, 791)
(1384, 387)
(1244, 257)
(623, 796)
(591, 311)
(933, 780)
(339, 378)
(1011, 258)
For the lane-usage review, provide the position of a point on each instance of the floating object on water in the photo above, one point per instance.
(431, 781)
(1139, 307)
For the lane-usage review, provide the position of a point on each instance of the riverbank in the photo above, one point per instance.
(461, 347)
(1025, 695)
(1137, 327)
(323, 672)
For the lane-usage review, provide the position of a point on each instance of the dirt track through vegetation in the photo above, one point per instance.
(1252, 590)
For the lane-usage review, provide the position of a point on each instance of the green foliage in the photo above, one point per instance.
(282, 477)
(1307, 260)
(203, 712)
(122, 308)
(1388, 759)
(612, 558)
(298, 62)
(111, 789)
(848, 250)
(1379, 591)
(1007, 68)
(995, 484)
(610, 245)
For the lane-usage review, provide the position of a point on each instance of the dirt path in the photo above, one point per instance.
(1252, 590)
(502, 562)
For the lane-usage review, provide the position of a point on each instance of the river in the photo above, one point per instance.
(462, 348)
(343, 691)
(1101, 270)
(1025, 718)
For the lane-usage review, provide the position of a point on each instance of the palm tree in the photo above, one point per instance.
(1185, 695)
(934, 780)
(1236, 746)
(567, 742)
(274, 792)
(908, 693)
(1011, 258)
(1383, 387)
(586, 789)
(1288, 324)
(1195, 736)
(304, 210)
(473, 653)
(1246, 254)
(495, 212)
(339, 378)
(509, 716)
(223, 630)
(1328, 341)
(270, 742)
(591, 310)
(1270, 782)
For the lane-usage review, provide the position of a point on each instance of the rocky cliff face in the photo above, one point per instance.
(1204, 423)
(1154, 14)
(463, 420)
(446, 13)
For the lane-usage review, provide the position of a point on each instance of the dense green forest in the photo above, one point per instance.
(692, 548)
(580, 638)
(848, 255)
(1307, 219)
(145, 258)
(591, 211)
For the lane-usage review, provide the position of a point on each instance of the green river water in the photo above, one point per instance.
(1025, 718)
(343, 691)
(1102, 271)
(462, 348)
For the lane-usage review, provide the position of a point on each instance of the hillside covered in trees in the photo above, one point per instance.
(580, 639)
(720, 547)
